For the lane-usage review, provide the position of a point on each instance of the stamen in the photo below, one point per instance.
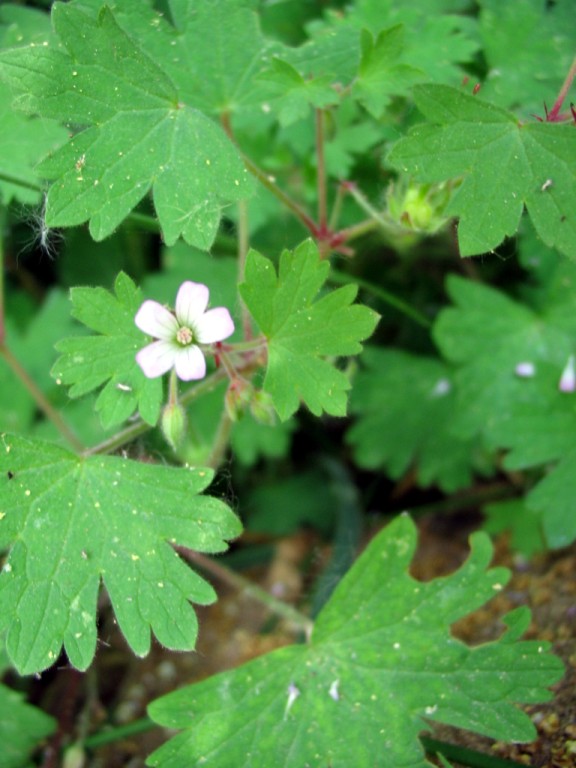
(184, 336)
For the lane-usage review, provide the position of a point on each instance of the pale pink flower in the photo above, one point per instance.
(567, 381)
(180, 335)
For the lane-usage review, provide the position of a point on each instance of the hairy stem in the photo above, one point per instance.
(246, 587)
(221, 441)
(140, 427)
(393, 301)
(40, 398)
(554, 113)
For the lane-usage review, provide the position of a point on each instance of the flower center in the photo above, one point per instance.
(184, 336)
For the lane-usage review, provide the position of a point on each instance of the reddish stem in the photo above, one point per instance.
(554, 115)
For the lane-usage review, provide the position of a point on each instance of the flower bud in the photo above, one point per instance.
(174, 424)
(262, 408)
(238, 397)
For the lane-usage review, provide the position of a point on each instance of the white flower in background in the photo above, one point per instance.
(567, 381)
(179, 334)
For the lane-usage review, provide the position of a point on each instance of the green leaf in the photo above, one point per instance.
(23, 141)
(34, 350)
(504, 164)
(139, 134)
(529, 47)
(301, 332)
(381, 662)
(70, 522)
(515, 516)
(382, 74)
(251, 440)
(271, 510)
(22, 726)
(88, 362)
(553, 500)
(405, 406)
(487, 335)
(296, 95)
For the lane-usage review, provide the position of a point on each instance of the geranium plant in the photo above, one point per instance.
(262, 163)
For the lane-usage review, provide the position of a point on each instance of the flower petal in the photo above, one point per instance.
(191, 301)
(190, 363)
(156, 320)
(214, 325)
(157, 358)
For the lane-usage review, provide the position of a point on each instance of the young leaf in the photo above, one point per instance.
(405, 407)
(295, 94)
(139, 134)
(301, 331)
(504, 164)
(380, 664)
(381, 73)
(70, 522)
(88, 362)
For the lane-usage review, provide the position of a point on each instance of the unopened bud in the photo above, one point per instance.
(238, 397)
(174, 424)
(262, 408)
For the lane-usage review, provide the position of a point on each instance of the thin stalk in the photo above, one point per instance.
(393, 301)
(557, 106)
(243, 245)
(466, 756)
(2, 315)
(140, 427)
(358, 230)
(270, 184)
(173, 389)
(321, 172)
(246, 587)
(337, 207)
(40, 399)
(248, 346)
(119, 732)
(368, 208)
(221, 441)
(268, 181)
(19, 182)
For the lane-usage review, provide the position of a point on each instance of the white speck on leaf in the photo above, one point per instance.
(293, 693)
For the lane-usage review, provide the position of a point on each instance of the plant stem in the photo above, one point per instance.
(243, 245)
(466, 756)
(557, 106)
(221, 440)
(269, 182)
(40, 399)
(140, 427)
(321, 172)
(19, 182)
(246, 587)
(393, 301)
(3, 214)
(117, 733)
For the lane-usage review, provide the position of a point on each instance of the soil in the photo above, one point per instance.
(237, 628)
